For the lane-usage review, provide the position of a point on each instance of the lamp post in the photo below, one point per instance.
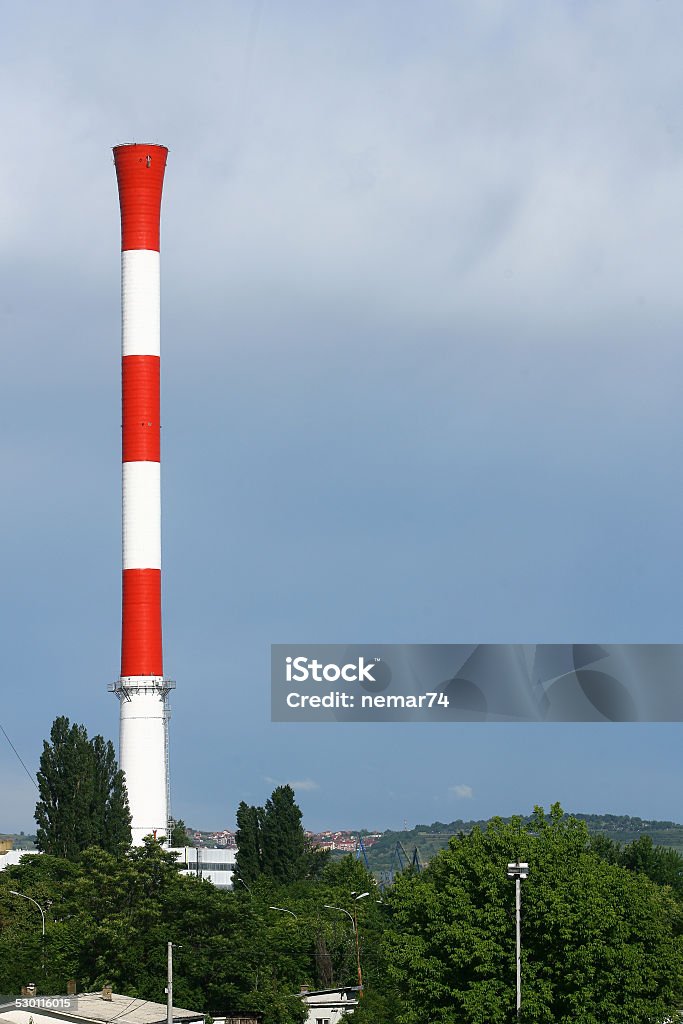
(518, 870)
(354, 921)
(30, 898)
(283, 910)
(23, 896)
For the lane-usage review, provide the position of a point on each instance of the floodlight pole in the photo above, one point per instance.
(518, 924)
(518, 871)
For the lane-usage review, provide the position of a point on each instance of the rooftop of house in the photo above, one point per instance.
(92, 1006)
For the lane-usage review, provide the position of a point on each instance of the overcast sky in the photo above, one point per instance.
(422, 306)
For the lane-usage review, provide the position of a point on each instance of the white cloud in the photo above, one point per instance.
(462, 791)
(526, 156)
(305, 785)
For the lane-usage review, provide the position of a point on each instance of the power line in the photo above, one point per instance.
(127, 1008)
(19, 757)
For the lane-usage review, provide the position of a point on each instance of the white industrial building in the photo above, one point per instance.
(9, 858)
(216, 866)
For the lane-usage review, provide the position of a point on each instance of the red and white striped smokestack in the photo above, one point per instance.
(142, 689)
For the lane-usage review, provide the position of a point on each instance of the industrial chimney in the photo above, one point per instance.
(142, 689)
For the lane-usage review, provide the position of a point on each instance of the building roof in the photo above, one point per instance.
(329, 991)
(332, 998)
(90, 1006)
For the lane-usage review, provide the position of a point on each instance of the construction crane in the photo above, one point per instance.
(400, 861)
(360, 852)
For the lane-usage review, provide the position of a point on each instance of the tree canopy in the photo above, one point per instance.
(602, 930)
(271, 841)
(599, 943)
(82, 794)
(178, 836)
(109, 919)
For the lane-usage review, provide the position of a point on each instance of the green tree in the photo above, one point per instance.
(639, 856)
(271, 842)
(599, 942)
(660, 863)
(605, 848)
(178, 834)
(82, 795)
(248, 862)
(109, 919)
(377, 1007)
(110, 813)
(283, 841)
(66, 785)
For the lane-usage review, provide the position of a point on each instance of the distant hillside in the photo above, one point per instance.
(429, 839)
(20, 841)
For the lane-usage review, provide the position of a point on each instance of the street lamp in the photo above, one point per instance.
(517, 871)
(23, 896)
(30, 898)
(284, 910)
(354, 921)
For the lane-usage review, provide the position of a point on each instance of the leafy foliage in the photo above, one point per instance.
(110, 919)
(283, 842)
(660, 863)
(249, 860)
(430, 839)
(110, 814)
(601, 940)
(178, 836)
(271, 841)
(599, 943)
(82, 794)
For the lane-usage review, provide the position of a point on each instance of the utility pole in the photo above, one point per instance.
(169, 984)
(354, 921)
(360, 973)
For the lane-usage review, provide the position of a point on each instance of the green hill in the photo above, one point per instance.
(20, 841)
(429, 839)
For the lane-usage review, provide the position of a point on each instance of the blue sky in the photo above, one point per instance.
(421, 320)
